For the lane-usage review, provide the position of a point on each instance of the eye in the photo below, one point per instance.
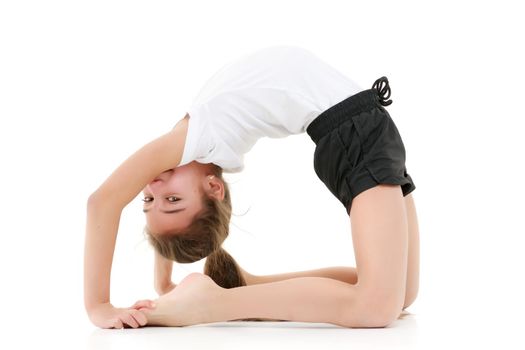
(172, 199)
(147, 199)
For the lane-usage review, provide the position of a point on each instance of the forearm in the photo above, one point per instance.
(340, 273)
(162, 273)
(304, 299)
(101, 231)
(161, 290)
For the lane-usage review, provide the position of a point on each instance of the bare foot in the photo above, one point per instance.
(192, 301)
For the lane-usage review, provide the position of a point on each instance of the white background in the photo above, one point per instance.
(83, 84)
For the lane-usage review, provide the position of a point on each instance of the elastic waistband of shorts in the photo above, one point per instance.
(338, 113)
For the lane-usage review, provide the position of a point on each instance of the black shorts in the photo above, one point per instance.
(358, 146)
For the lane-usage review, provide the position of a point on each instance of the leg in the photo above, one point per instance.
(197, 299)
(379, 229)
(388, 275)
(349, 274)
(340, 273)
(412, 286)
(380, 237)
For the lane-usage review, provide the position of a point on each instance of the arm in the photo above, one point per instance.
(105, 206)
(163, 269)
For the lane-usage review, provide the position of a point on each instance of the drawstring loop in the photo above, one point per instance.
(383, 91)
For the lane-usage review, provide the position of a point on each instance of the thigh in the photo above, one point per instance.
(412, 285)
(380, 238)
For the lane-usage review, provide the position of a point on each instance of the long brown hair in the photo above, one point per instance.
(204, 238)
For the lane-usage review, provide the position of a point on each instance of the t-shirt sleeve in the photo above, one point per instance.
(199, 139)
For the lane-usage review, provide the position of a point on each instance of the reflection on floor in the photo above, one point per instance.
(259, 335)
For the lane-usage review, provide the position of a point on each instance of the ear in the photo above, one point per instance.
(215, 187)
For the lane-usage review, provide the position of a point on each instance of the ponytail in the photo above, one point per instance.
(223, 269)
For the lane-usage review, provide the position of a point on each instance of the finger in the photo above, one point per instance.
(140, 303)
(139, 317)
(129, 320)
(118, 324)
(143, 303)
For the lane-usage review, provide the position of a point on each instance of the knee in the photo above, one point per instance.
(380, 313)
(410, 297)
(373, 310)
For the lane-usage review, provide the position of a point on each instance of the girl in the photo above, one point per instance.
(359, 156)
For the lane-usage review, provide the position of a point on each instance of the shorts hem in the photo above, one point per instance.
(368, 182)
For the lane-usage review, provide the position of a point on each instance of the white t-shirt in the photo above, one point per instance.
(274, 92)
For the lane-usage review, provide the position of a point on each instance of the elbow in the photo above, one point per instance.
(162, 289)
(92, 199)
(95, 199)
(102, 198)
(96, 203)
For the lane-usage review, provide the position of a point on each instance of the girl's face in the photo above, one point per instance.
(173, 198)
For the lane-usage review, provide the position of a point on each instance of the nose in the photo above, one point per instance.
(159, 181)
(155, 185)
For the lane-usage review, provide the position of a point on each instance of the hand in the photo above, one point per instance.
(193, 301)
(143, 304)
(107, 316)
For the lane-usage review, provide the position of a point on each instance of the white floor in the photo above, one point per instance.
(436, 329)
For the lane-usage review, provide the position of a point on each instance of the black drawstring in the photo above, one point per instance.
(383, 90)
